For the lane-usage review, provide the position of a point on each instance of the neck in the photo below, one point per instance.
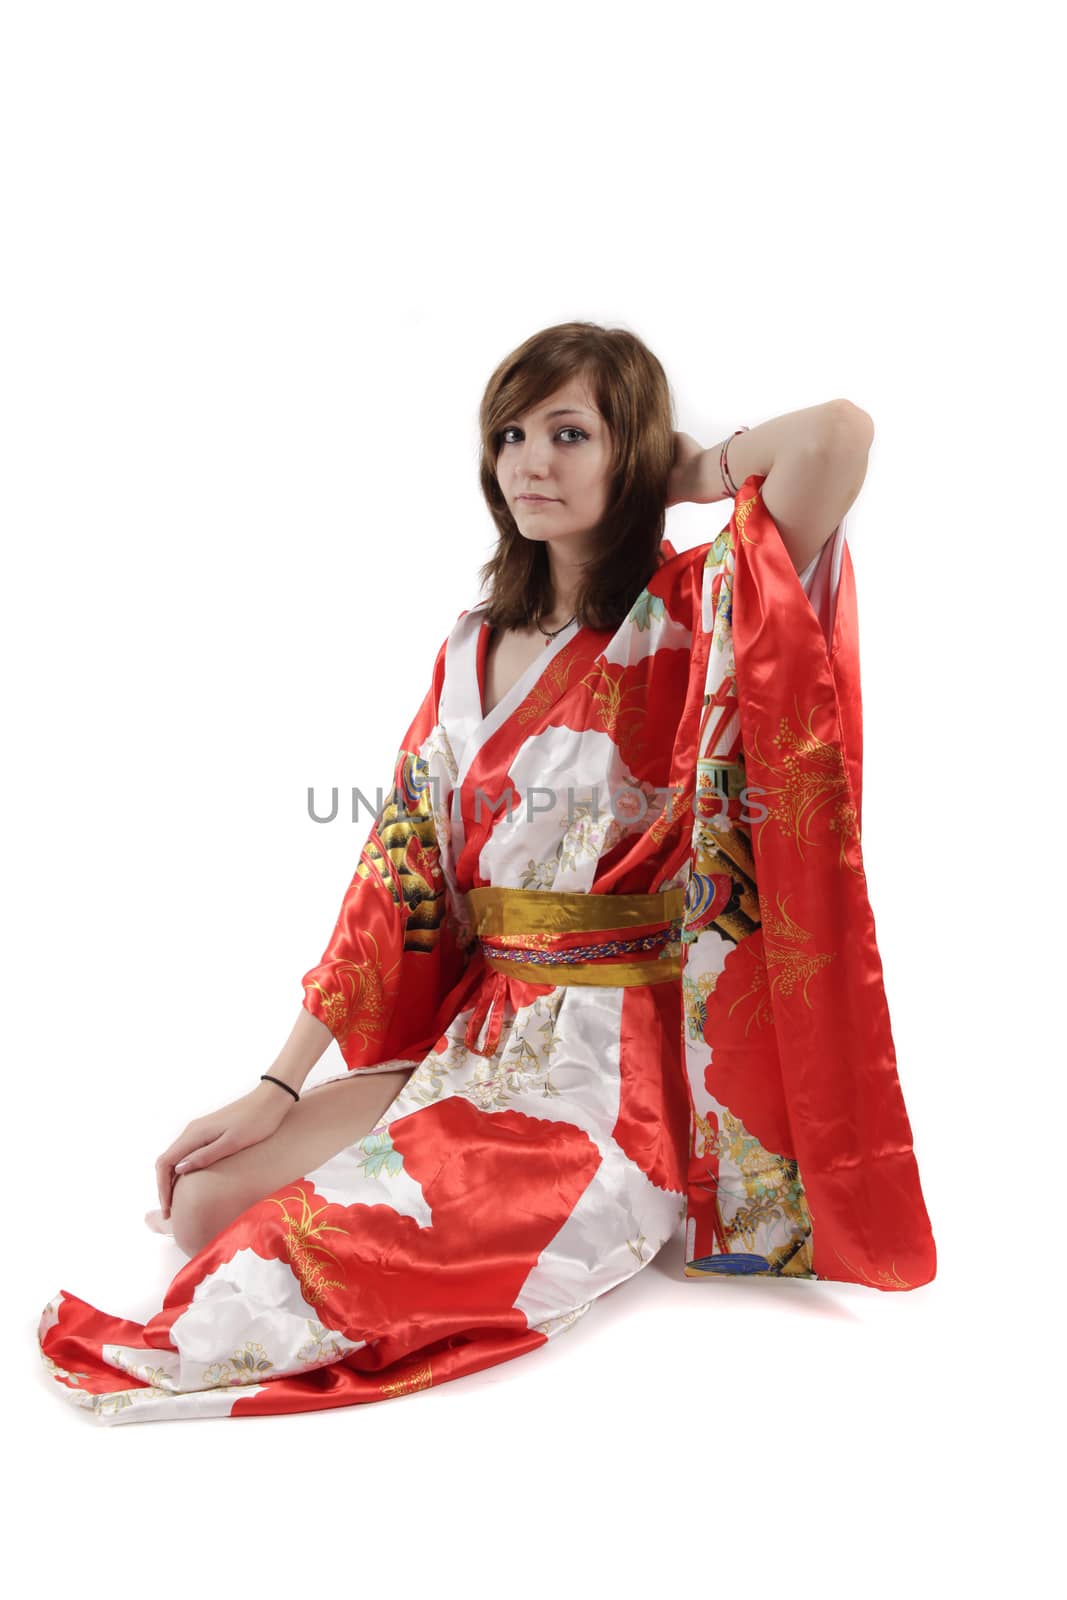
(558, 617)
(566, 569)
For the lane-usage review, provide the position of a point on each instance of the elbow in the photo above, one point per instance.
(848, 425)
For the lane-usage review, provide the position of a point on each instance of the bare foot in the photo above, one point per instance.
(158, 1223)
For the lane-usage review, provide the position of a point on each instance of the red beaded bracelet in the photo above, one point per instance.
(727, 482)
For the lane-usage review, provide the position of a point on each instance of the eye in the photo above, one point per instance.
(567, 428)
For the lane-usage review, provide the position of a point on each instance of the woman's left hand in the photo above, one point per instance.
(683, 483)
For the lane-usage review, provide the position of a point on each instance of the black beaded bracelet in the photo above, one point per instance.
(280, 1084)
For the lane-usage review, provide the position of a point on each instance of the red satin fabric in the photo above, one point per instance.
(812, 1075)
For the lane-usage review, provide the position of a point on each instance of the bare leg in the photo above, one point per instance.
(326, 1119)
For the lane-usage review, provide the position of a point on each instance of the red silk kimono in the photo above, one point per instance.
(553, 1134)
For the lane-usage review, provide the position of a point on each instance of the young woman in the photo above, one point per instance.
(606, 963)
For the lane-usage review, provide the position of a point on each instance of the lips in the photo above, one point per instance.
(544, 499)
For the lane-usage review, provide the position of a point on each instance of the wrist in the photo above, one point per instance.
(709, 485)
(267, 1090)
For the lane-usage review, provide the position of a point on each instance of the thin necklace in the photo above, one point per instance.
(550, 636)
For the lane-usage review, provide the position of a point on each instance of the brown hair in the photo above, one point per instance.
(632, 394)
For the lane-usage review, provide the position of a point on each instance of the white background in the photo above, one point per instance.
(260, 261)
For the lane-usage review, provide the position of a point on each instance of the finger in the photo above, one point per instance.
(177, 1153)
(189, 1139)
(169, 1181)
(165, 1183)
(204, 1156)
(188, 1163)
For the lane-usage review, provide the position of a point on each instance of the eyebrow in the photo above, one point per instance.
(566, 411)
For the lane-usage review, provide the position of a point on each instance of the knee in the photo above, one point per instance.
(193, 1211)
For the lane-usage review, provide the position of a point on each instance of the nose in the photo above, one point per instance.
(531, 460)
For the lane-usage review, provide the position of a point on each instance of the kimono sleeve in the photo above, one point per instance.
(383, 982)
(801, 1156)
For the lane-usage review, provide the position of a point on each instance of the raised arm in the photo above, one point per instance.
(813, 463)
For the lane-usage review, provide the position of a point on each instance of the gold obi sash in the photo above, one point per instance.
(556, 936)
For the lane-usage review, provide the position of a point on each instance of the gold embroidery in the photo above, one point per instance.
(679, 803)
(531, 941)
(780, 965)
(549, 686)
(787, 963)
(812, 775)
(420, 1377)
(298, 1235)
(608, 710)
(742, 513)
(881, 1280)
(358, 1007)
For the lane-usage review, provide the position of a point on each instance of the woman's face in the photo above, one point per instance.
(561, 450)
